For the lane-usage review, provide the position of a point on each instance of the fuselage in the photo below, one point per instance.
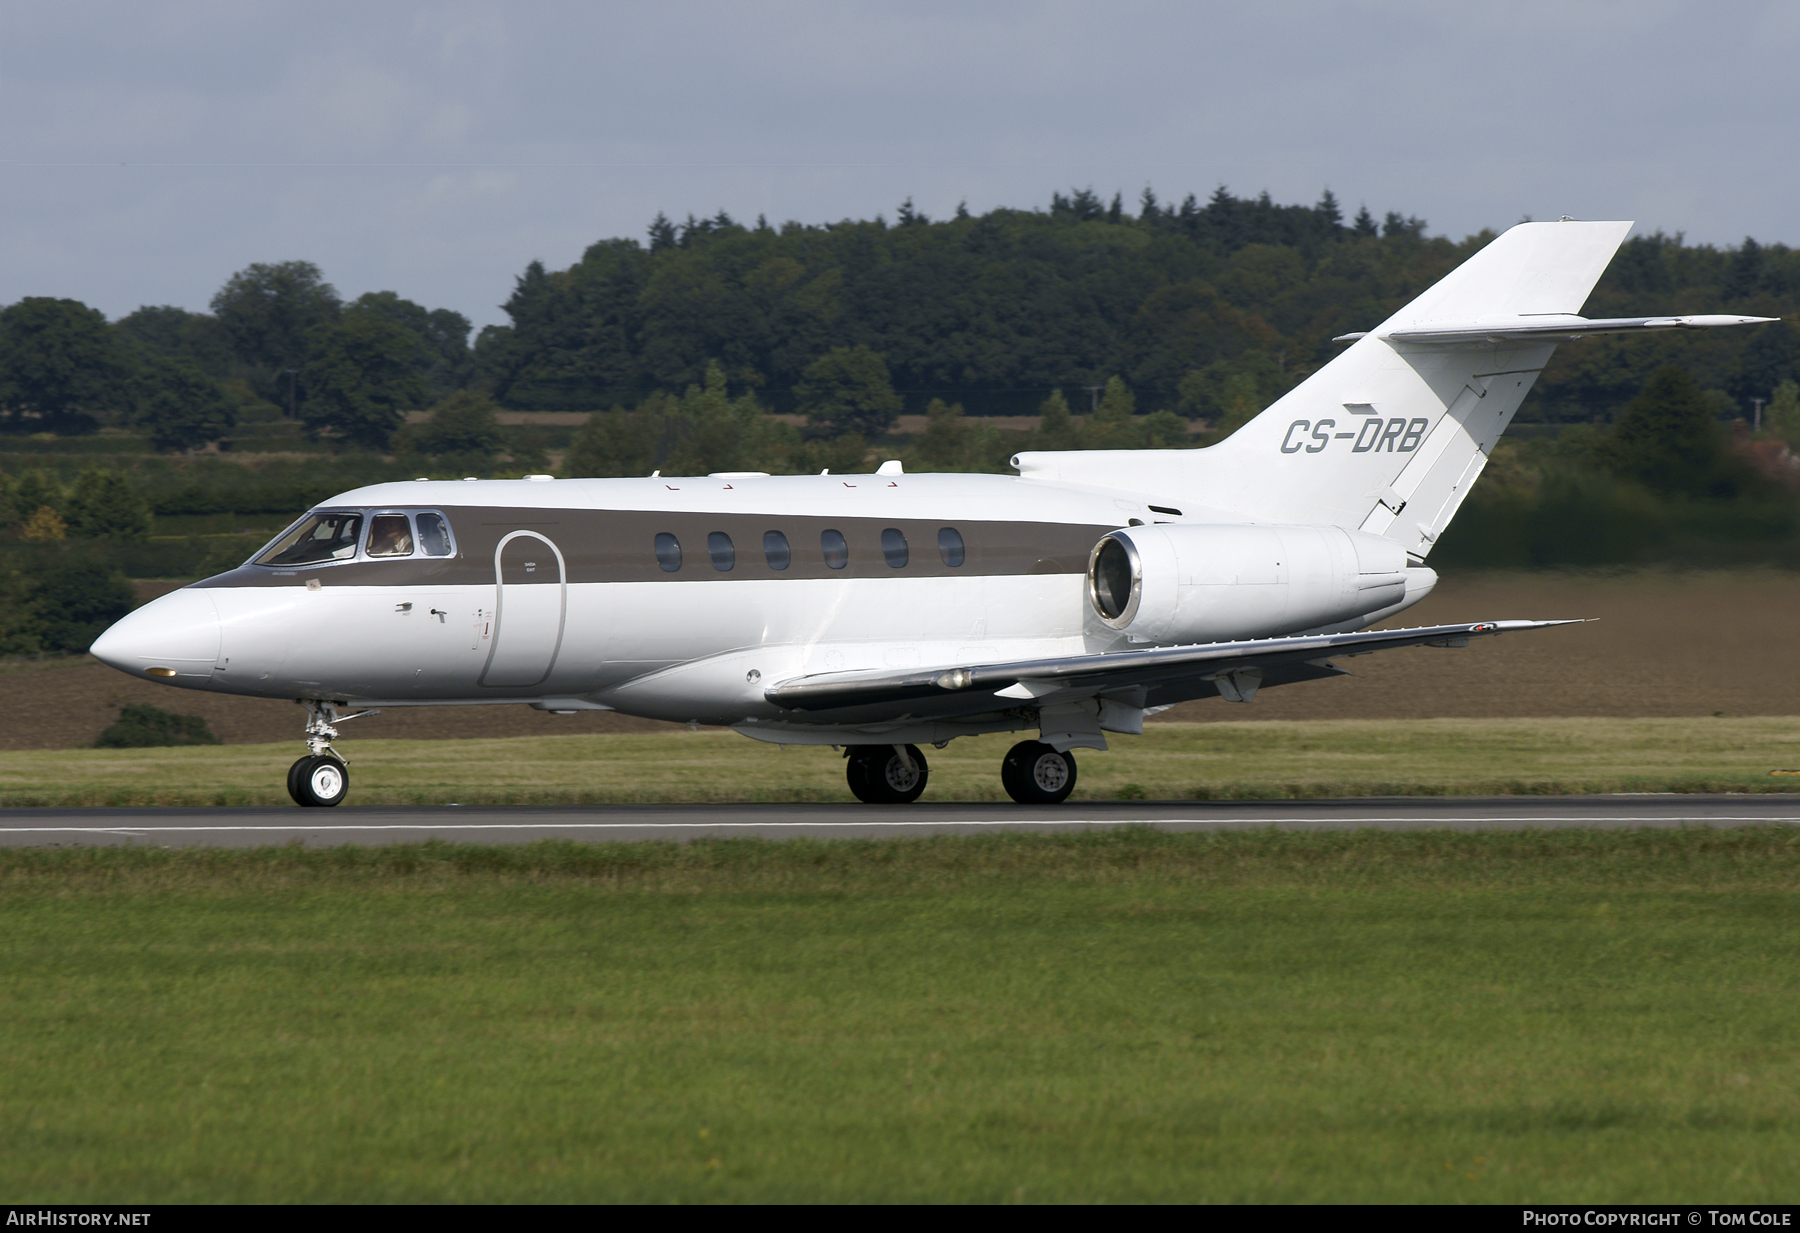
(674, 598)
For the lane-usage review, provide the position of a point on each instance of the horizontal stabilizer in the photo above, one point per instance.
(1091, 674)
(1549, 327)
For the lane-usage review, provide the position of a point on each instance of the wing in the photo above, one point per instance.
(1171, 674)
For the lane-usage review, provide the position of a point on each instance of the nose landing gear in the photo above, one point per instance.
(322, 777)
(318, 779)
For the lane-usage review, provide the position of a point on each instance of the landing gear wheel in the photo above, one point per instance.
(295, 773)
(878, 775)
(1035, 774)
(318, 780)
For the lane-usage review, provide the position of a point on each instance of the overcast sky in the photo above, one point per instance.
(433, 149)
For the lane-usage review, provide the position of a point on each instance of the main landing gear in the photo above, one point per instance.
(1033, 773)
(886, 774)
(322, 777)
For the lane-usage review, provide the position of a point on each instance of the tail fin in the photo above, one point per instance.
(1389, 436)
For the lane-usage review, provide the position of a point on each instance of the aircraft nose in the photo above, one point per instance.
(173, 639)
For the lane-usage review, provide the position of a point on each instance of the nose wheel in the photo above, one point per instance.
(318, 780)
(886, 774)
(1035, 774)
(322, 777)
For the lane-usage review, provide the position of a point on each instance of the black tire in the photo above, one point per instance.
(323, 783)
(1035, 774)
(878, 775)
(295, 772)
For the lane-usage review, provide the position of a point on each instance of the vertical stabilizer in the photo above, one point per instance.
(1389, 436)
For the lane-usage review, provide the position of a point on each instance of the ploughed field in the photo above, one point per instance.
(1665, 645)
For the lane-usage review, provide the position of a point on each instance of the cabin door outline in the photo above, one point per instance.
(522, 615)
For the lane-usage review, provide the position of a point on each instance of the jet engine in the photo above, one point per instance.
(1181, 583)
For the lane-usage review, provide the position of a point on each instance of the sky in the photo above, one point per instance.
(149, 151)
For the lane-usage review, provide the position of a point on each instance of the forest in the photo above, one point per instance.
(165, 442)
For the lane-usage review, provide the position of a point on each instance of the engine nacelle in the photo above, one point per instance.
(1180, 583)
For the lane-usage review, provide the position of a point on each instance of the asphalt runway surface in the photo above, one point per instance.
(244, 828)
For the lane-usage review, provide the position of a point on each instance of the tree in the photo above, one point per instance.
(59, 366)
(953, 442)
(181, 406)
(443, 336)
(177, 334)
(703, 431)
(463, 434)
(1769, 357)
(105, 505)
(36, 490)
(1114, 425)
(360, 378)
(847, 390)
(711, 431)
(1668, 440)
(1240, 403)
(142, 726)
(76, 599)
(45, 526)
(1057, 429)
(270, 311)
(1782, 419)
(617, 442)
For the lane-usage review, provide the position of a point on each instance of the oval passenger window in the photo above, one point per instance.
(724, 556)
(776, 551)
(950, 546)
(668, 552)
(893, 547)
(835, 548)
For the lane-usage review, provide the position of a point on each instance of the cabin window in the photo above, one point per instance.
(893, 547)
(434, 535)
(390, 535)
(316, 539)
(668, 552)
(835, 548)
(724, 555)
(950, 546)
(776, 550)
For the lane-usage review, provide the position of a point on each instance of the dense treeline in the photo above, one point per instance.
(166, 442)
(1192, 306)
(1196, 307)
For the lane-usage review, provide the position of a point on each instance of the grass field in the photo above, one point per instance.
(1170, 761)
(1502, 1017)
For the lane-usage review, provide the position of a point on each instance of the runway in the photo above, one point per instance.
(241, 828)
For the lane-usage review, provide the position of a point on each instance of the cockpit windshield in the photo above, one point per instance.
(329, 535)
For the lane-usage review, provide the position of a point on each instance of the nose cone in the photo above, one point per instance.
(174, 639)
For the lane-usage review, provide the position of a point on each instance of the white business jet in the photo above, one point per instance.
(888, 611)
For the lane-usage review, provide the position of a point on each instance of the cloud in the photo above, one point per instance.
(435, 148)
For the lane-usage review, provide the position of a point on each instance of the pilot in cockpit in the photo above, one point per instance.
(389, 536)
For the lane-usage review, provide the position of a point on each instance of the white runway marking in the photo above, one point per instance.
(601, 826)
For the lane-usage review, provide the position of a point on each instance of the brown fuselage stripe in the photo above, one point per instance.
(619, 546)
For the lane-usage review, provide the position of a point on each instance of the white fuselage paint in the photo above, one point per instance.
(682, 648)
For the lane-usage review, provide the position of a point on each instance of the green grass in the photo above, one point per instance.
(1578, 1017)
(1171, 761)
